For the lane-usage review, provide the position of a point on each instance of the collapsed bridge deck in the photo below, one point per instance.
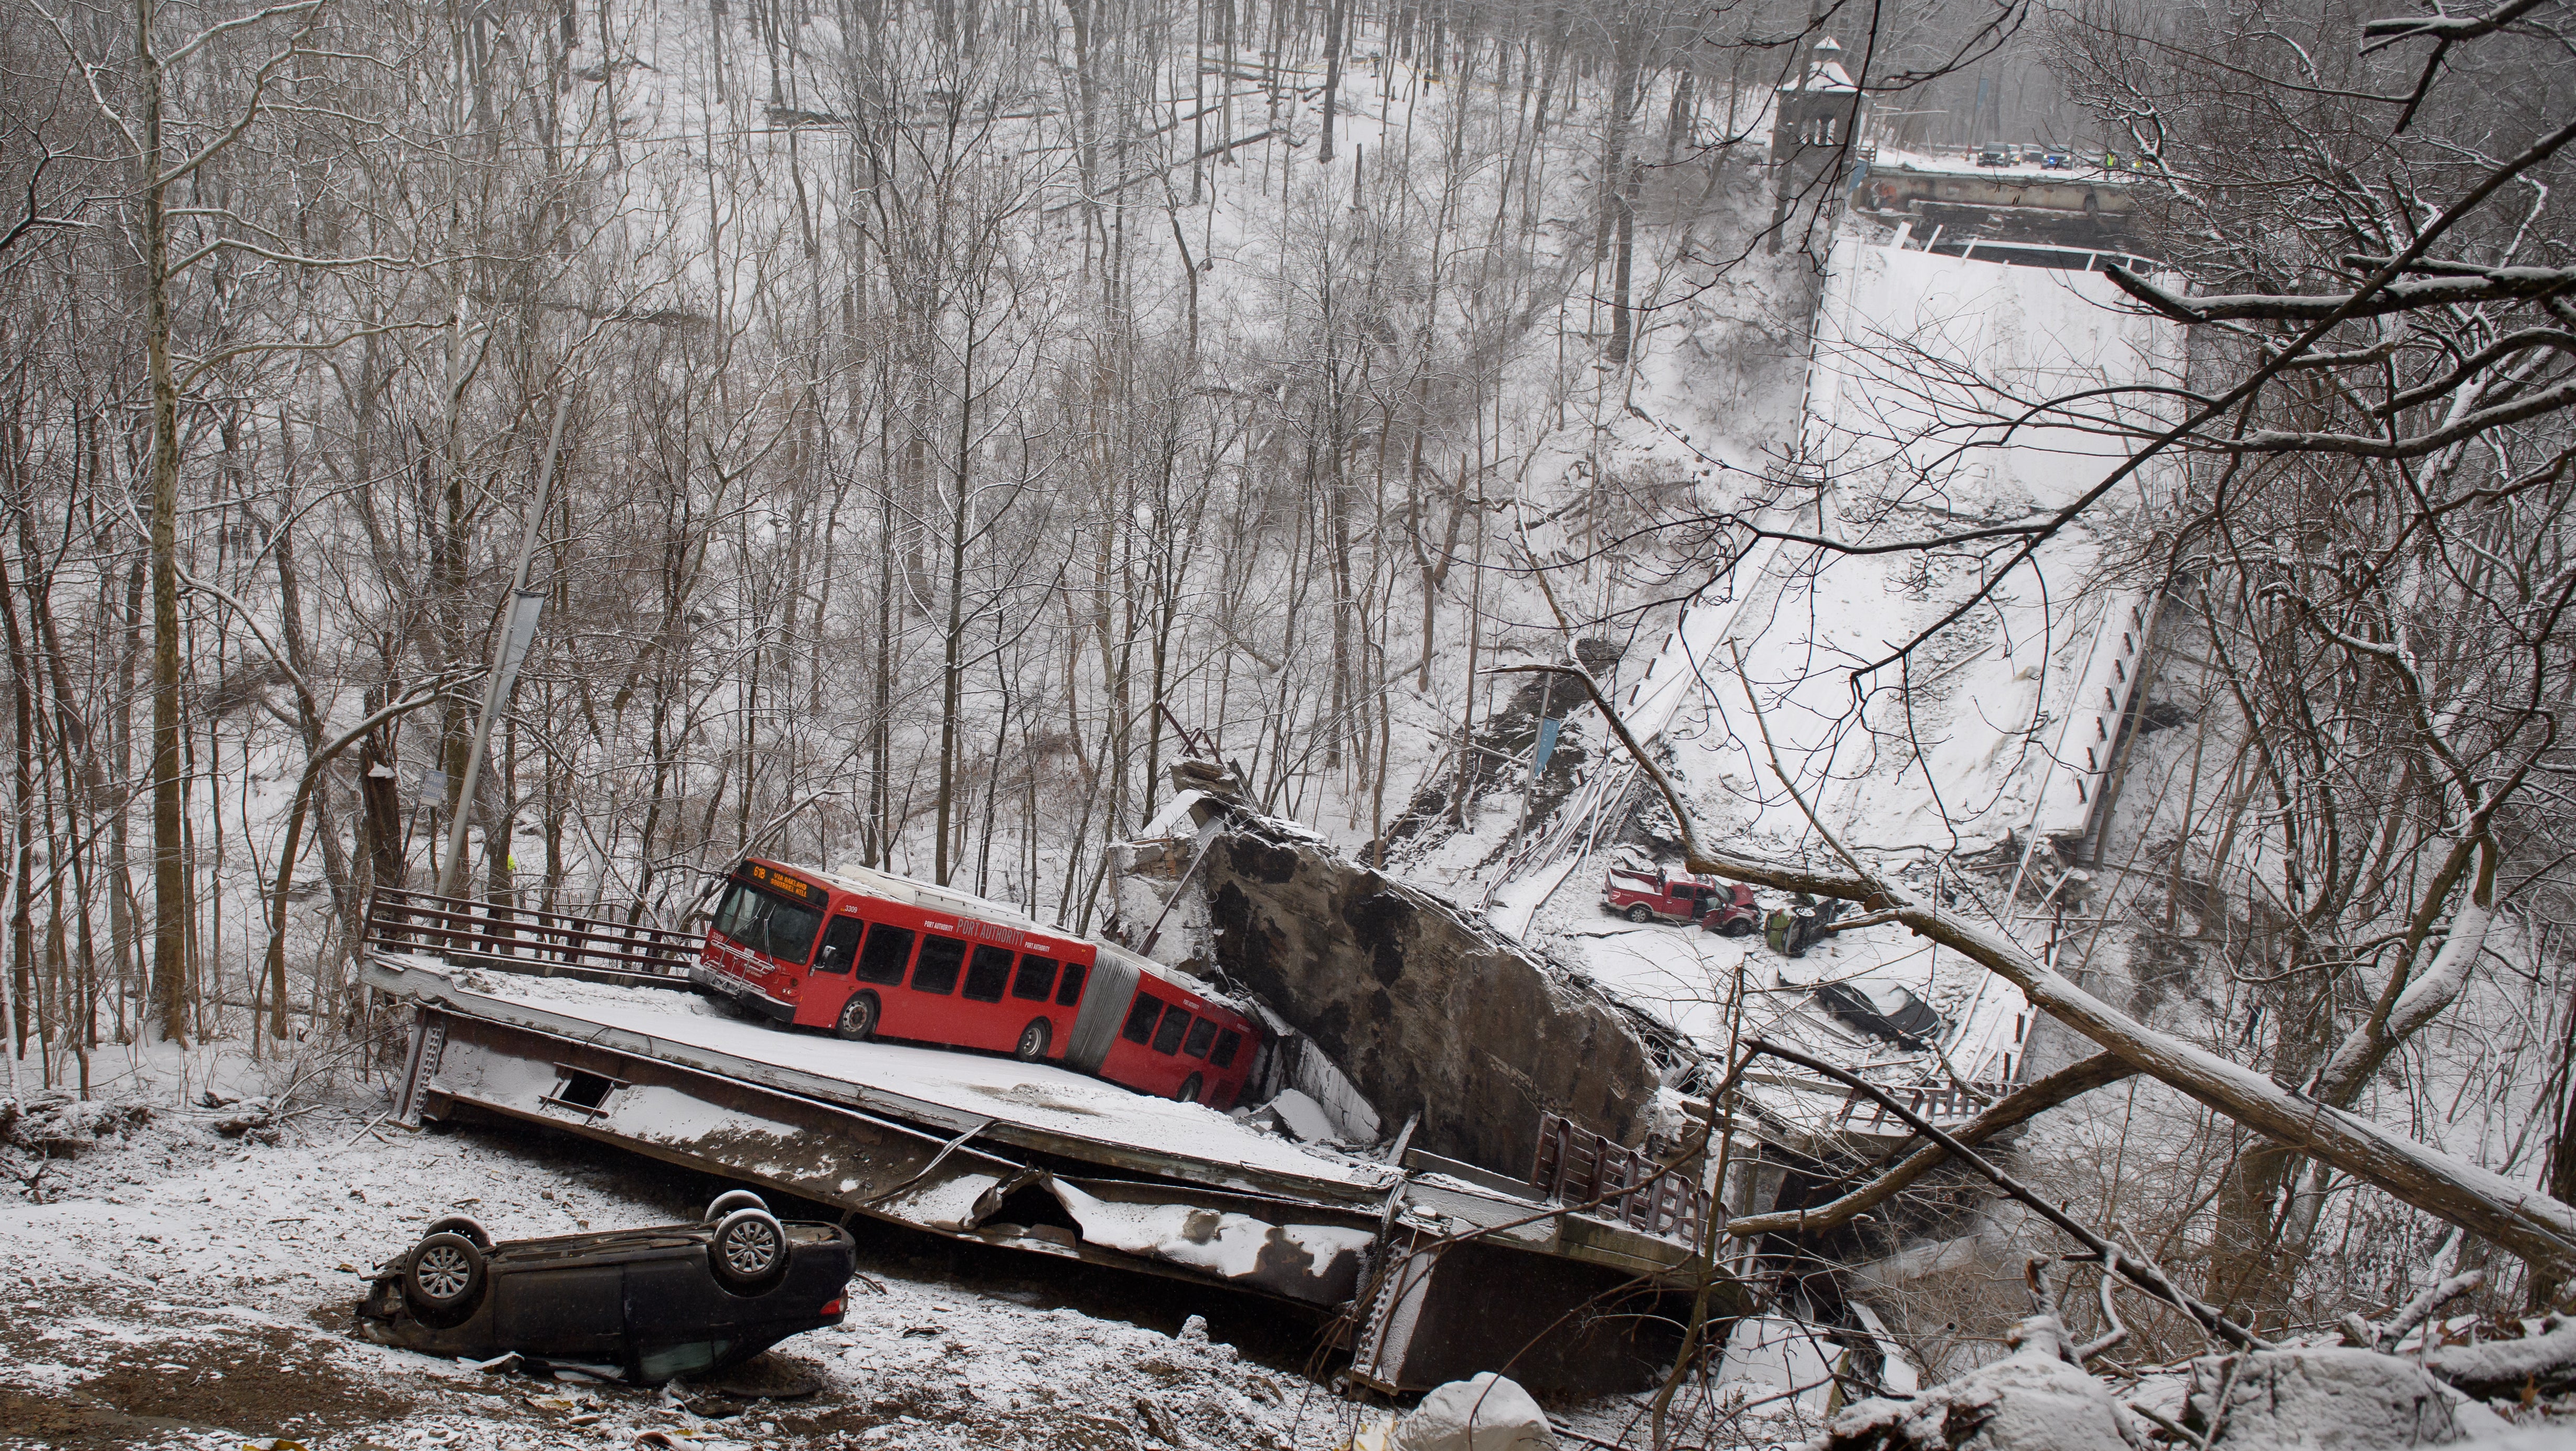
(1036, 1158)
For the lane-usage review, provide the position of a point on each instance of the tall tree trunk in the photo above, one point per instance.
(1624, 251)
(170, 975)
(22, 939)
(1332, 72)
(952, 679)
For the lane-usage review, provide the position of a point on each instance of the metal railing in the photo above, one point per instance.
(1578, 1166)
(470, 932)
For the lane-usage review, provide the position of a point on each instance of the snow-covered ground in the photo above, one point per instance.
(168, 1285)
(167, 1282)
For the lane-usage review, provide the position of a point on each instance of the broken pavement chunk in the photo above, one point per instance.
(1297, 1115)
(1428, 1008)
(1291, 1258)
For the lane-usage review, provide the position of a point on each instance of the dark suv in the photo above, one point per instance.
(1883, 1010)
(646, 1304)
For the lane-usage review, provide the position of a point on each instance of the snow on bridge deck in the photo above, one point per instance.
(1921, 422)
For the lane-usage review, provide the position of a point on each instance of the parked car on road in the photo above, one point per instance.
(1995, 156)
(645, 1304)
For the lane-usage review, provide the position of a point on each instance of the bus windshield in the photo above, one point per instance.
(766, 924)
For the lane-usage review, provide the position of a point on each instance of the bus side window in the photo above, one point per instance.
(936, 971)
(1167, 1038)
(987, 973)
(888, 949)
(839, 941)
(1202, 1033)
(1227, 1043)
(1036, 979)
(1140, 1018)
(1069, 991)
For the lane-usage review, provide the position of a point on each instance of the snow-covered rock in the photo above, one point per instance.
(2331, 1398)
(2031, 1400)
(1487, 1413)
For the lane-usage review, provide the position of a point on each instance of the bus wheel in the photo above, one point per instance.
(1033, 1041)
(858, 1018)
(1189, 1090)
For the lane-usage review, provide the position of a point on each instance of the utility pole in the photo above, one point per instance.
(517, 631)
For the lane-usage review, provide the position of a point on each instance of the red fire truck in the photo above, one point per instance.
(867, 954)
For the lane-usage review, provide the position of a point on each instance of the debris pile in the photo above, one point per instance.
(59, 1126)
(2034, 1399)
(2289, 1397)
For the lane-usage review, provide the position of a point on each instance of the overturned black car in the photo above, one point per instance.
(645, 1304)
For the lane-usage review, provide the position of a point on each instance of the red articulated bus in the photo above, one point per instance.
(869, 955)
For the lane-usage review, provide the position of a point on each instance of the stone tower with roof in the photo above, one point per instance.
(1815, 129)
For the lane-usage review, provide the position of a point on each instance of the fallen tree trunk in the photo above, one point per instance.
(2516, 1217)
(2018, 1107)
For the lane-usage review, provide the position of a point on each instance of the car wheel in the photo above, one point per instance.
(460, 1224)
(1189, 1090)
(1033, 1041)
(1639, 913)
(858, 1018)
(1737, 928)
(443, 1280)
(748, 1252)
(731, 1200)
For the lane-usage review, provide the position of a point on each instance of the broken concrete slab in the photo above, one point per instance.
(1296, 1115)
(1425, 1007)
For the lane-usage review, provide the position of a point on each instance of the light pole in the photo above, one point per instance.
(517, 630)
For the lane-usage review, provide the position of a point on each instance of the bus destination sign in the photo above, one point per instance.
(786, 886)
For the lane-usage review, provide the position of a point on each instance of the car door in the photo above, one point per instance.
(571, 1310)
(829, 985)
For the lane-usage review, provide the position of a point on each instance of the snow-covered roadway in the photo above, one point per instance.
(1919, 422)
